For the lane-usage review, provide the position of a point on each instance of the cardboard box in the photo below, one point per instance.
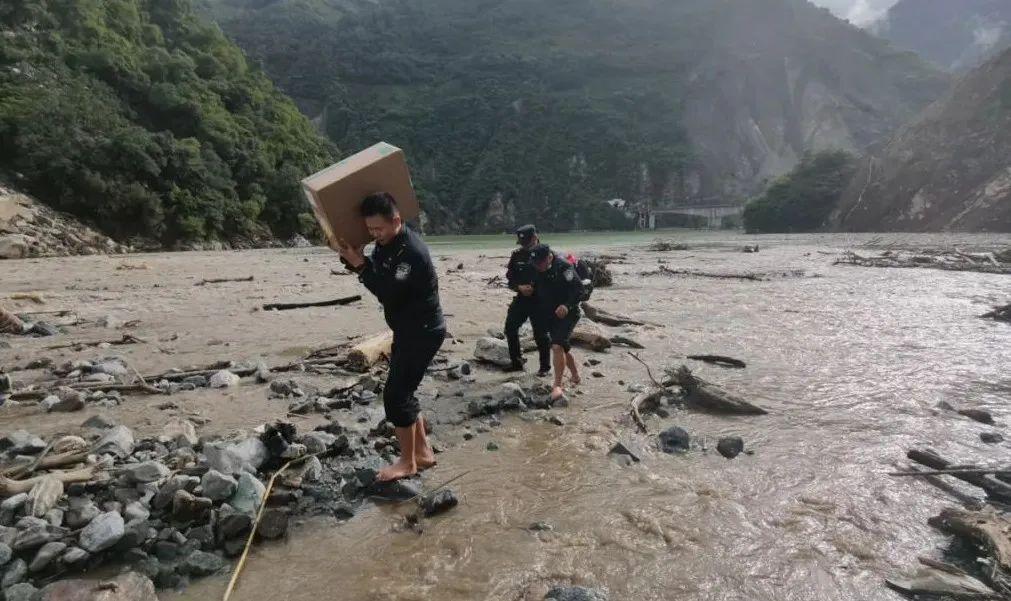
(336, 193)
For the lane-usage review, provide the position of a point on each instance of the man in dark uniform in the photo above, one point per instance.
(401, 275)
(520, 275)
(559, 290)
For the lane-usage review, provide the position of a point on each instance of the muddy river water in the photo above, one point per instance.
(851, 363)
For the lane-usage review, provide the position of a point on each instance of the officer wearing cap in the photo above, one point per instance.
(559, 290)
(520, 275)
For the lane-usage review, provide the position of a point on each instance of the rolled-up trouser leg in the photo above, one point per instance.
(519, 311)
(410, 357)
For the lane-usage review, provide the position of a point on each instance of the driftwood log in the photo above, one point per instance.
(986, 527)
(706, 395)
(591, 339)
(10, 487)
(223, 280)
(370, 351)
(347, 300)
(626, 341)
(719, 360)
(993, 487)
(608, 319)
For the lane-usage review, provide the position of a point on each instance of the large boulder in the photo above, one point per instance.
(575, 593)
(14, 246)
(247, 455)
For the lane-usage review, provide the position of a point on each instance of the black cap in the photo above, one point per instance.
(525, 232)
(540, 252)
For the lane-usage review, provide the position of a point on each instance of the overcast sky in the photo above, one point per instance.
(858, 12)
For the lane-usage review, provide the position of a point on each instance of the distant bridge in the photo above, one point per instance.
(714, 214)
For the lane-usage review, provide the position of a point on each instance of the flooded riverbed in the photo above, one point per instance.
(851, 363)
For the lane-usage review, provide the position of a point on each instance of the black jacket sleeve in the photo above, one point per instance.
(396, 288)
(511, 274)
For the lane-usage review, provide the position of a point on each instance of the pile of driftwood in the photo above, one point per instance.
(952, 260)
(359, 357)
(682, 387)
(985, 526)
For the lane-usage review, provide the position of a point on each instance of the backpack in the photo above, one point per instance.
(585, 273)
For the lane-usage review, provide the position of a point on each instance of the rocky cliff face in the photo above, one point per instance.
(954, 34)
(30, 229)
(538, 111)
(950, 169)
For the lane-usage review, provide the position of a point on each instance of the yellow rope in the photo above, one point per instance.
(256, 522)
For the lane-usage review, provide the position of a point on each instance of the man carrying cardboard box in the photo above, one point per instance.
(401, 275)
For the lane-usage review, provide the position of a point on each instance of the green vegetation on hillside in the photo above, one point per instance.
(801, 200)
(136, 115)
(550, 108)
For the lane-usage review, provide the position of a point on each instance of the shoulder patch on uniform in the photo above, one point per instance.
(402, 272)
(570, 275)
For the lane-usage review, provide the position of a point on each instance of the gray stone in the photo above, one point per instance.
(98, 422)
(991, 437)
(5, 554)
(493, 351)
(574, 593)
(74, 555)
(273, 524)
(294, 451)
(31, 538)
(21, 592)
(136, 511)
(99, 378)
(46, 555)
(217, 486)
(201, 563)
(148, 471)
(674, 440)
(30, 522)
(113, 368)
(248, 494)
(82, 511)
(247, 455)
(224, 379)
(180, 431)
(55, 517)
(313, 470)
(730, 446)
(135, 534)
(440, 502)
(281, 387)
(187, 507)
(117, 441)
(15, 573)
(234, 525)
(22, 442)
(14, 503)
(626, 449)
(166, 494)
(318, 442)
(130, 586)
(103, 532)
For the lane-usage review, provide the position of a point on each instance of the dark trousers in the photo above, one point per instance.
(410, 357)
(521, 309)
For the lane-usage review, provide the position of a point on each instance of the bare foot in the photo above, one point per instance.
(576, 380)
(556, 393)
(401, 468)
(426, 460)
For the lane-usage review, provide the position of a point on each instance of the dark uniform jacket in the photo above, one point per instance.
(520, 271)
(559, 285)
(403, 278)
